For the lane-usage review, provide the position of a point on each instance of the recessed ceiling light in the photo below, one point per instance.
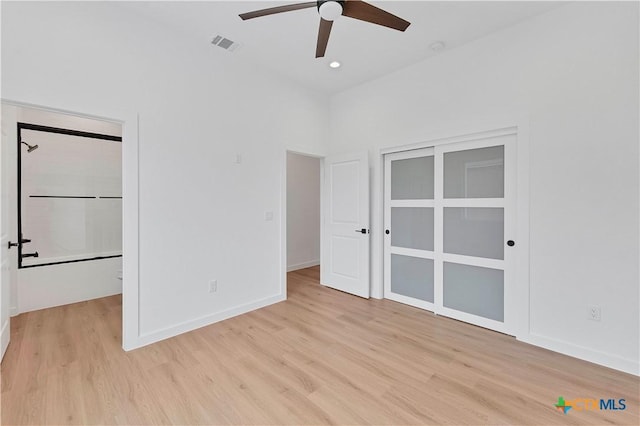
(436, 46)
(335, 64)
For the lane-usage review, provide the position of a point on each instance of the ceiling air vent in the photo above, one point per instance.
(225, 43)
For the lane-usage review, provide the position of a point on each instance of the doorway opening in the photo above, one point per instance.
(303, 215)
(62, 209)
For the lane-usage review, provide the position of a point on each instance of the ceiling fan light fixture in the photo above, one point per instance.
(330, 10)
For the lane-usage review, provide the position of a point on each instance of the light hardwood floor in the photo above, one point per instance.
(320, 357)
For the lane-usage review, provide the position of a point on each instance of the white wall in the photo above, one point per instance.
(47, 286)
(303, 211)
(574, 73)
(201, 215)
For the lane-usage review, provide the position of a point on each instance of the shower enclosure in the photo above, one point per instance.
(69, 196)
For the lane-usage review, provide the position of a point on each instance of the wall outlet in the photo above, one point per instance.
(594, 313)
(213, 286)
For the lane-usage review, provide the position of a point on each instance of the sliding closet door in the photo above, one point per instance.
(476, 215)
(449, 230)
(409, 227)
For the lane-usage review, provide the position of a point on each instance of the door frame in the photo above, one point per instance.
(474, 131)
(129, 120)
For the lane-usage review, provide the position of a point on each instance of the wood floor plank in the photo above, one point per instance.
(321, 357)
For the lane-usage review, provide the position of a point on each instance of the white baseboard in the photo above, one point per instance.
(4, 338)
(608, 360)
(165, 333)
(303, 265)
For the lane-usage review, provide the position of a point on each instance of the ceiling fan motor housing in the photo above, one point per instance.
(332, 10)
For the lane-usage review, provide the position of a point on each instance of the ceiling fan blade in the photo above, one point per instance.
(323, 37)
(362, 11)
(278, 9)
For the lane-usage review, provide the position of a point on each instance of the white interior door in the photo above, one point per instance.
(345, 235)
(5, 329)
(450, 213)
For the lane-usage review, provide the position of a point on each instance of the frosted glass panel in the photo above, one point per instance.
(412, 179)
(474, 231)
(412, 277)
(412, 227)
(474, 173)
(474, 290)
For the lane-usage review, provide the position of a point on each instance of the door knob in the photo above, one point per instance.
(362, 231)
(511, 243)
(386, 232)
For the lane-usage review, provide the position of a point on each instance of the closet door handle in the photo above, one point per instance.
(362, 231)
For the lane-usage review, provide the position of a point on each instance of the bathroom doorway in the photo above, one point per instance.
(65, 216)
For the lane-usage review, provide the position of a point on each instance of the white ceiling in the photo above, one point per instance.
(286, 42)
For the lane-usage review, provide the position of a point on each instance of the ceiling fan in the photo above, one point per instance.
(330, 10)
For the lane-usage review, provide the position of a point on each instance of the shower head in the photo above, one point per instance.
(30, 147)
